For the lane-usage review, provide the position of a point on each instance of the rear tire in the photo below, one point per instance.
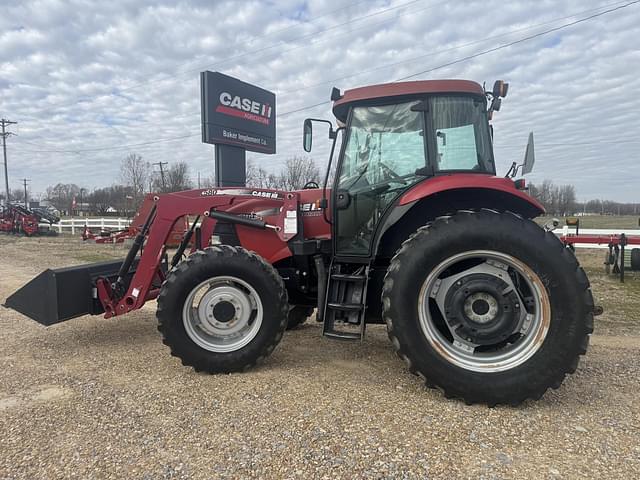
(635, 259)
(223, 309)
(298, 315)
(531, 351)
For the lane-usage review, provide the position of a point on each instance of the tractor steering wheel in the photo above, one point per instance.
(393, 174)
(310, 185)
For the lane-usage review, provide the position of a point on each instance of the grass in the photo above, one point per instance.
(623, 222)
(621, 301)
(96, 257)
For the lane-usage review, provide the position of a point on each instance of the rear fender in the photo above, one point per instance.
(444, 196)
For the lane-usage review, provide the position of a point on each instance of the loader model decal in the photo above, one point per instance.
(241, 191)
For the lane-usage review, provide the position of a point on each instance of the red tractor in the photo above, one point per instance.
(18, 220)
(416, 232)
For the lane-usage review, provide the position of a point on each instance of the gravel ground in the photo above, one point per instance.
(95, 398)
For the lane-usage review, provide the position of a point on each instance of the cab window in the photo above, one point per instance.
(461, 134)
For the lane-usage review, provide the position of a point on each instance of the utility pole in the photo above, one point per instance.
(5, 134)
(26, 198)
(81, 192)
(161, 164)
(198, 179)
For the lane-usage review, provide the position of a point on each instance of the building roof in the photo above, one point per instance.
(398, 89)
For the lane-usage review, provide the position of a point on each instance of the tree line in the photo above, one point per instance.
(560, 200)
(137, 178)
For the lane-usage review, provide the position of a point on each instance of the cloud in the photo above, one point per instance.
(79, 76)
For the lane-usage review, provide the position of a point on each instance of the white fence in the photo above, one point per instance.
(595, 231)
(76, 225)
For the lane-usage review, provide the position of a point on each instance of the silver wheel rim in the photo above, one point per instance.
(530, 318)
(222, 314)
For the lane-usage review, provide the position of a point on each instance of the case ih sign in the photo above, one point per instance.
(237, 113)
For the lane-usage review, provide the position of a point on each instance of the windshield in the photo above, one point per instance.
(461, 134)
(384, 143)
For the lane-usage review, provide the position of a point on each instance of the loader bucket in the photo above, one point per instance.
(58, 295)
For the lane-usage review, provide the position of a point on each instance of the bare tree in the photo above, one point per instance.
(61, 196)
(17, 195)
(135, 173)
(566, 199)
(100, 200)
(208, 181)
(258, 177)
(557, 199)
(297, 172)
(176, 179)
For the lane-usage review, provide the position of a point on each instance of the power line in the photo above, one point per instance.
(308, 107)
(485, 52)
(227, 59)
(118, 147)
(530, 37)
(413, 59)
(4, 122)
(311, 20)
(449, 49)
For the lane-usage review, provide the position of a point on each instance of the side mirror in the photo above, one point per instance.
(529, 156)
(307, 136)
(500, 89)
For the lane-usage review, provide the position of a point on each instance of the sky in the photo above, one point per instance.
(90, 82)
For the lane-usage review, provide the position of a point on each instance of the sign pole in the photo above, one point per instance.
(231, 166)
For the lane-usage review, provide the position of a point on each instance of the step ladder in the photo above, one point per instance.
(344, 312)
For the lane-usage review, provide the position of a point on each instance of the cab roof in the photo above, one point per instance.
(400, 89)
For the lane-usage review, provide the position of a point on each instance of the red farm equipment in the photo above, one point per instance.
(416, 232)
(129, 233)
(614, 260)
(19, 220)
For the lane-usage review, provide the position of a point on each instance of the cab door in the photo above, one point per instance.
(385, 146)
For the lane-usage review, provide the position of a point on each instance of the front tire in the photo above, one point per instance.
(488, 307)
(223, 309)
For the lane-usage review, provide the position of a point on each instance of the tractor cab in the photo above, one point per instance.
(396, 136)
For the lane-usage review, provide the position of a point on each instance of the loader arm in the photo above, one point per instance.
(118, 287)
(169, 209)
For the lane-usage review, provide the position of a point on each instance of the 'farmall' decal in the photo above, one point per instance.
(245, 108)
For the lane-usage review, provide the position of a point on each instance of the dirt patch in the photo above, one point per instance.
(95, 398)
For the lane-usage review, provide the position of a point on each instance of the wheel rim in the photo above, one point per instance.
(484, 311)
(222, 314)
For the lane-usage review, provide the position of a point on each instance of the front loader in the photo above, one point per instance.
(416, 232)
